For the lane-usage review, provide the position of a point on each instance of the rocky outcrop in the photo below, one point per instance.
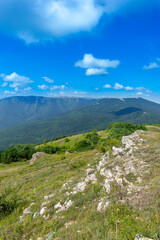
(140, 237)
(36, 156)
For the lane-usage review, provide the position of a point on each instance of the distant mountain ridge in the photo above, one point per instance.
(23, 109)
(97, 114)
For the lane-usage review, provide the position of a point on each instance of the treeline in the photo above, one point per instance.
(17, 153)
(88, 141)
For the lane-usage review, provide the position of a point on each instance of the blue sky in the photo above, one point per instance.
(85, 48)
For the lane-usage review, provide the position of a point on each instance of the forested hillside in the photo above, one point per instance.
(19, 110)
(97, 115)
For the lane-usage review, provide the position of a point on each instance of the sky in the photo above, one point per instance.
(81, 48)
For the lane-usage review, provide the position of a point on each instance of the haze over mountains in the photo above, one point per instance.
(33, 119)
(18, 110)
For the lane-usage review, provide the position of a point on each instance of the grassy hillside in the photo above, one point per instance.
(18, 110)
(86, 118)
(85, 194)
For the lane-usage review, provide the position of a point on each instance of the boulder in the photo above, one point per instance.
(117, 151)
(36, 156)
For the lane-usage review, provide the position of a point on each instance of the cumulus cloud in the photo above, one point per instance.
(89, 61)
(96, 71)
(151, 66)
(139, 93)
(118, 86)
(49, 80)
(16, 81)
(128, 88)
(27, 89)
(4, 84)
(62, 87)
(140, 89)
(43, 19)
(43, 87)
(96, 66)
(9, 92)
(40, 20)
(107, 86)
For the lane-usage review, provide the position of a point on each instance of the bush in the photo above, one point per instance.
(117, 130)
(17, 153)
(66, 140)
(50, 149)
(7, 206)
(93, 137)
(81, 145)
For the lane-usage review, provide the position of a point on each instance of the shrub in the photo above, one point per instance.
(66, 140)
(17, 153)
(81, 145)
(117, 130)
(7, 205)
(93, 137)
(50, 149)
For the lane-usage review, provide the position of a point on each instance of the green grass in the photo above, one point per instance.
(138, 214)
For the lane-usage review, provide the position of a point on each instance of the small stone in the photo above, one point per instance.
(102, 205)
(21, 219)
(67, 153)
(44, 204)
(35, 214)
(43, 211)
(49, 196)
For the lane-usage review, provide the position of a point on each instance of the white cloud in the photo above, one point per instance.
(34, 20)
(14, 77)
(139, 93)
(128, 88)
(40, 20)
(28, 89)
(151, 66)
(140, 89)
(118, 86)
(89, 61)
(58, 87)
(107, 86)
(43, 87)
(96, 71)
(96, 66)
(97, 89)
(9, 92)
(48, 79)
(16, 81)
(4, 84)
(148, 91)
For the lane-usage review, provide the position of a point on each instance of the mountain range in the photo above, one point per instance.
(33, 119)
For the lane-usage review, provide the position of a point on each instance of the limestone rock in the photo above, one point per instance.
(68, 203)
(140, 237)
(49, 196)
(36, 156)
(117, 151)
(43, 211)
(102, 205)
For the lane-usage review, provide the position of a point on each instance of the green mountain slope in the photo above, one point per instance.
(97, 115)
(18, 110)
(85, 195)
